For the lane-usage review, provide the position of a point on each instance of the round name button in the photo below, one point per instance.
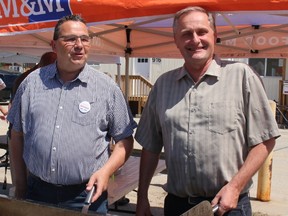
(84, 107)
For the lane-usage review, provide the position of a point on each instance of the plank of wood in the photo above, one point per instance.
(127, 179)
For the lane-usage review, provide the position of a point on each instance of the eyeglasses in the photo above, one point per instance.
(72, 39)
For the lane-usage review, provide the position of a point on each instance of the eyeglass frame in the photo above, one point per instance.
(75, 38)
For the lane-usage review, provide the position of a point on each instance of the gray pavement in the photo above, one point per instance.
(277, 206)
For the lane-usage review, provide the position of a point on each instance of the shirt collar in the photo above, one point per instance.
(213, 69)
(82, 77)
(182, 73)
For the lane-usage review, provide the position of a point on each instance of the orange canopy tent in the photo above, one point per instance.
(20, 16)
(142, 28)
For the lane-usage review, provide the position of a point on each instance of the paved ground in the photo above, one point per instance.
(277, 206)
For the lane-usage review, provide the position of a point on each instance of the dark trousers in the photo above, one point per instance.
(174, 205)
(64, 196)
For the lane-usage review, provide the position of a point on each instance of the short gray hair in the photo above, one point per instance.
(73, 17)
(188, 10)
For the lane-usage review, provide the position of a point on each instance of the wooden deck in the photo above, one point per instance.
(139, 89)
(140, 100)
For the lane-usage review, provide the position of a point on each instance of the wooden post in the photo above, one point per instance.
(265, 172)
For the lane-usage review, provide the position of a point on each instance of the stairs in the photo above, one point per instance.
(139, 89)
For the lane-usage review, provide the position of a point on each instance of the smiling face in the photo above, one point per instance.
(72, 46)
(195, 39)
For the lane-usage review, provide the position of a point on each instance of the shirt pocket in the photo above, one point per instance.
(86, 117)
(222, 117)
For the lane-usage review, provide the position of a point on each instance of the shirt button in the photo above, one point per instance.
(57, 126)
(60, 107)
(54, 148)
(53, 169)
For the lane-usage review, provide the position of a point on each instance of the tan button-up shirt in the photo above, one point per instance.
(206, 128)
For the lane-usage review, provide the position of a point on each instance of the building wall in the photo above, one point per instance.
(157, 67)
(162, 65)
(111, 69)
(271, 85)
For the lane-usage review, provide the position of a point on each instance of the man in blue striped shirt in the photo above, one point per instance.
(64, 116)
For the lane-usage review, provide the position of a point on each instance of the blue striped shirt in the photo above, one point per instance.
(67, 127)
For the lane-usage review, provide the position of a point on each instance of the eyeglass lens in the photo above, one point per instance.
(72, 39)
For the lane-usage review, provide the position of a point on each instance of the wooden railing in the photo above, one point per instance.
(139, 89)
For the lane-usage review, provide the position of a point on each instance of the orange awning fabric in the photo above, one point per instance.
(18, 17)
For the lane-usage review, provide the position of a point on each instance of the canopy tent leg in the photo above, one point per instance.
(119, 74)
(128, 52)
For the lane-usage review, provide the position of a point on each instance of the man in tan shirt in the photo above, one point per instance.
(213, 120)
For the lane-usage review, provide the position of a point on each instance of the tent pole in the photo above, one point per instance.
(128, 52)
(127, 77)
(119, 74)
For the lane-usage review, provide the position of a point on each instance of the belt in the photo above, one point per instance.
(57, 185)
